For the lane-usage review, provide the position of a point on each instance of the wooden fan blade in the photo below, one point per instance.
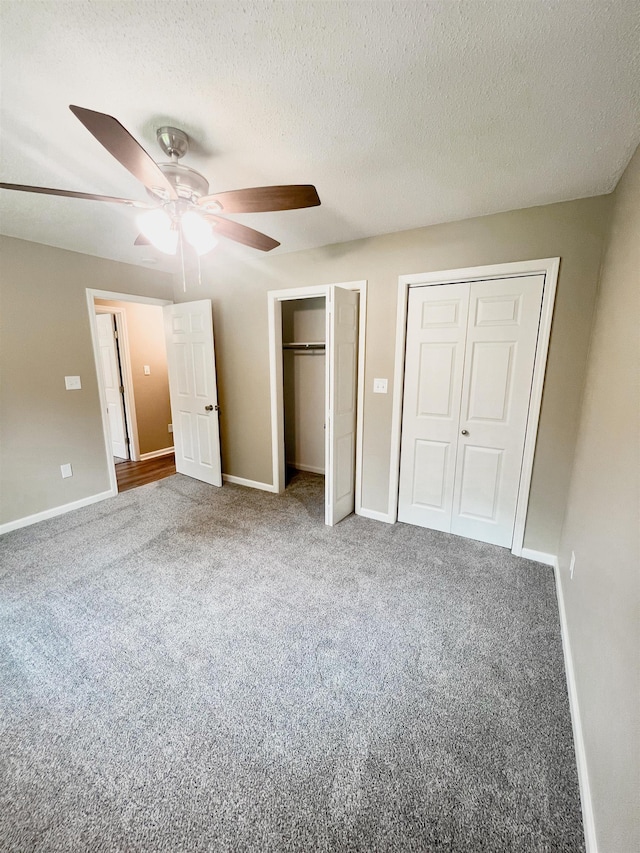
(240, 233)
(265, 199)
(70, 194)
(121, 145)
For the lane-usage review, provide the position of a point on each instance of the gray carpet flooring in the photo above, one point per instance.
(185, 668)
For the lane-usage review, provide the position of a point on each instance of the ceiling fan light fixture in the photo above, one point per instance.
(157, 227)
(198, 232)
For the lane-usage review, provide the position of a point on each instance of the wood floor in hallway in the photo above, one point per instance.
(132, 474)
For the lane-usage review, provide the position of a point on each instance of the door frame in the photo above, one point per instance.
(548, 267)
(120, 319)
(275, 299)
(92, 295)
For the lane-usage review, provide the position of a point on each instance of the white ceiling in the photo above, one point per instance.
(402, 114)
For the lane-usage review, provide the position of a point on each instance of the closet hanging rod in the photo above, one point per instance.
(305, 345)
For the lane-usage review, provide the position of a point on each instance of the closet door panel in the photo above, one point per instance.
(500, 352)
(436, 332)
(342, 398)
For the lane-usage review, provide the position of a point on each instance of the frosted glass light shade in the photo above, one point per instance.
(198, 232)
(157, 227)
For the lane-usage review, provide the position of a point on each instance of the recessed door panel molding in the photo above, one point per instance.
(436, 334)
(347, 315)
(490, 386)
(178, 323)
(344, 467)
(501, 310)
(346, 355)
(440, 315)
(196, 323)
(182, 369)
(184, 438)
(204, 445)
(193, 391)
(480, 482)
(431, 463)
(436, 380)
(200, 372)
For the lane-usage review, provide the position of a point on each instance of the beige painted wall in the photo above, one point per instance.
(44, 335)
(602, 527)
(145, 332)
(237, 281)
(304, 384)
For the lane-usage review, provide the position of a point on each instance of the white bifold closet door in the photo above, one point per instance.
(469, 362)
(342, 399)
(193, 390)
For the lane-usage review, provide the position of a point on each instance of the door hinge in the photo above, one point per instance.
(115, 334)
(122, 389)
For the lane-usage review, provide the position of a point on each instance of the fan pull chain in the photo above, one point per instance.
(199, 272)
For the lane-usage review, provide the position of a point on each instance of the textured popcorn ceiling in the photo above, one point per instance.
(402, 114)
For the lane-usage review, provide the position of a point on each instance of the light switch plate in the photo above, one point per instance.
(66, 470)
(147, 370)
(72, 383)
(380, 386)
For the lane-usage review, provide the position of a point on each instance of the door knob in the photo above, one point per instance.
(465, 432)
(211, 408)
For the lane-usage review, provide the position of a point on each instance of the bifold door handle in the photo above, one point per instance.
(465, 432)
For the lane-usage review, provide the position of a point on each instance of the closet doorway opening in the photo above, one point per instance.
(303, 370)
(316, 341)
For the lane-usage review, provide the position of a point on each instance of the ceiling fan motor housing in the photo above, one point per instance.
(189, 184)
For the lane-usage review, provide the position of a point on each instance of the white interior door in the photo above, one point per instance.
(468, 372)
(436, 335)
(110, 367)
(193, 391)
(502, 333)
(341, 385)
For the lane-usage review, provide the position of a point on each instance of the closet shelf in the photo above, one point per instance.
(305, 345)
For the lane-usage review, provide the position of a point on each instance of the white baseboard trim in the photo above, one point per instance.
(578, 737)
(375, 515)
(251, 484)
(539, 557)
(310, 468)
(54, 511)
(155, 454)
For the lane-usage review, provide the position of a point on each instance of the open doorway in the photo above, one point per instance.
(304, 395)
(317, 343)
(186, 333)
(131, 363)
(304, 368)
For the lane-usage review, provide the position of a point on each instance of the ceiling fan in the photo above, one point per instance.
(181, 204)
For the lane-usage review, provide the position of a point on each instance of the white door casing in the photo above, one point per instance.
(110, 369)
(342, 399)
(464, 419)
(193, 391)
